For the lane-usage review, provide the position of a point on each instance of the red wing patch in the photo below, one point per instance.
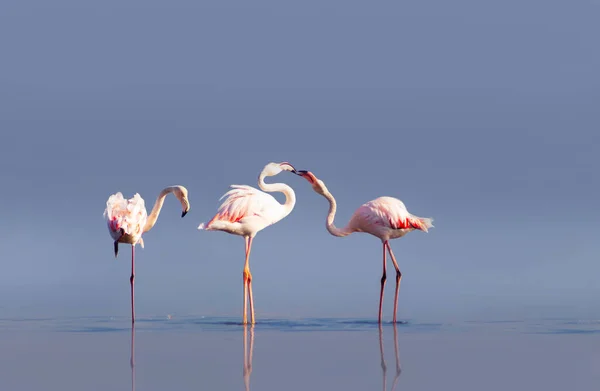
(114, 224)
(407, 223)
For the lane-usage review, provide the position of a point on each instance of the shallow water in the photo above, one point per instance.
(193, 353)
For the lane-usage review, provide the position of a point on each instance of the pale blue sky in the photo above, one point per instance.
(482, 115)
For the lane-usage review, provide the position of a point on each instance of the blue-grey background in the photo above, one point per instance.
(482, 115)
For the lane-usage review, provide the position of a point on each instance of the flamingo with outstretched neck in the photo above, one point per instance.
(127, 221)
(246, 211)
(384, 217)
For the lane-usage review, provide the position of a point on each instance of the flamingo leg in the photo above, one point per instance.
(383, 278)
(383, 364)
(131, 279)
(398, 279)
(248, 284)
(245, 279)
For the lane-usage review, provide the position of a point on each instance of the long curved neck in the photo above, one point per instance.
(335, 231)
(160, 200)
(290, 196)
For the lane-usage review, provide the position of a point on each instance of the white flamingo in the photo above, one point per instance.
(127, 220)
(246, 211)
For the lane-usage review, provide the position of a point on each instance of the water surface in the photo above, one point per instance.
(193, 353)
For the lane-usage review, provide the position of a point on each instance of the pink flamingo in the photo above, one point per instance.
(127, 220)
(246, 211)
(383, 217)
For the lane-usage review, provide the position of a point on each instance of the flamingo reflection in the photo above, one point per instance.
(132, 359)
(248, 350)
(383, 363)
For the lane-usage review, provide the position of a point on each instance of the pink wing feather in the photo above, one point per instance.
(129, 215)
(243, 201)
(391, 212)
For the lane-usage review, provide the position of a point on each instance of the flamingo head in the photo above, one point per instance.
(182, 195)
(273, 169)
(315, 182)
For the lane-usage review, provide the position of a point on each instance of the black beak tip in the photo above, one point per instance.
(184, 213)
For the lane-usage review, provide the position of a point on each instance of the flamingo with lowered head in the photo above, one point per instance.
(383, 217)
(127, 220)
(246, 211)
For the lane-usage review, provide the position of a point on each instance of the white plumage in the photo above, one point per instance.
(127, 215)
(246, 211)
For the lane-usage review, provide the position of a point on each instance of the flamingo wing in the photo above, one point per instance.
(127, 215)
(391, 212)
(244, 201)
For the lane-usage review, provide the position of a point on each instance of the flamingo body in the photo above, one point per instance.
(126, 218)
(387, 218)
(245, 211)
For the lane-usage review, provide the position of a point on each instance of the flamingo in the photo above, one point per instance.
(384, 217)
(127, 220)
(246, 211)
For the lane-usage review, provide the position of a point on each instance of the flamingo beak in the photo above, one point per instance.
(301, 172)
(289, 165)
(184, 213)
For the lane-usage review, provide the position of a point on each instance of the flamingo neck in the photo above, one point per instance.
(160, 200)
(290, 196)
(335, 231)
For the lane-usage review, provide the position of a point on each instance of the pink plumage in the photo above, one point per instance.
(127, 215)
(389, 213)
(243, 201)
(384, 217)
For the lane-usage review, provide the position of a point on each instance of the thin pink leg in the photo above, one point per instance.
(245, 279)
(131, 279)
(398, 279)
(383, 278)
(251, 297)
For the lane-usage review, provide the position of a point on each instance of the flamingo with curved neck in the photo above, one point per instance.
(384, 217)
(247, 211)
(127, 220)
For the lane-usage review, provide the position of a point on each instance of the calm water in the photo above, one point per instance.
(196, 353)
